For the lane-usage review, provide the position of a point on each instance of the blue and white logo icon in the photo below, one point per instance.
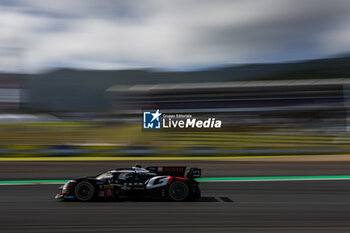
(151, 120)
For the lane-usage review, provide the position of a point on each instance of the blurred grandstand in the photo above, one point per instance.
(264, 107)
(317, 104)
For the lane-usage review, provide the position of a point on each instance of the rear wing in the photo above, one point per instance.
(194, 173)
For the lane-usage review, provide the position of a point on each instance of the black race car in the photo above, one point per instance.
(151, 182)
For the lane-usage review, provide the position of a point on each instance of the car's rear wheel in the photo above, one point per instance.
(178, 191)
(84, 191)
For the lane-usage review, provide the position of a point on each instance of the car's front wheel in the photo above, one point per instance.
(178, 191)
(84, 191)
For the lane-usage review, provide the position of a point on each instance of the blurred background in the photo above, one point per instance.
(75, 77)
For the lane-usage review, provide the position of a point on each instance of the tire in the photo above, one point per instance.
(178, 191)
(84, 191)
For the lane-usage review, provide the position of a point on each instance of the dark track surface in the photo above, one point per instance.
(303, 206)
(270, 206)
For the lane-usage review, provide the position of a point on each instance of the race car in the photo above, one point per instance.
(156, 182)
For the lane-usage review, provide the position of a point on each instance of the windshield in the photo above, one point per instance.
(105, 175)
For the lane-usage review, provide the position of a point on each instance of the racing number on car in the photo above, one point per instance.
(108, 190)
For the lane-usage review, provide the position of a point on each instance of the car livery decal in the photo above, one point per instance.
(157, 181)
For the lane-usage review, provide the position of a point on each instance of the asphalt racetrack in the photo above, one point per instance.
(287, 206)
